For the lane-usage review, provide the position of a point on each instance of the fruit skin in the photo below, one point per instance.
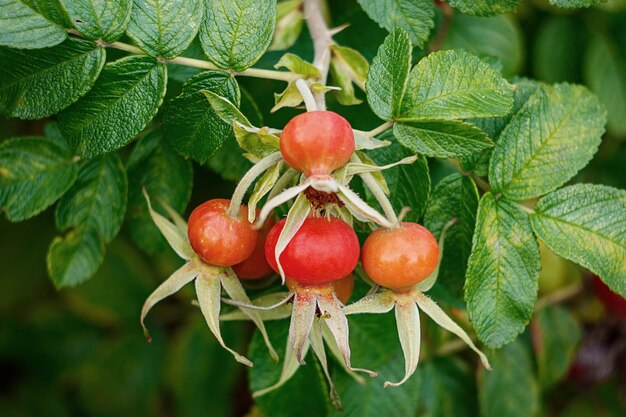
(256, 266)
(323, 250)
(342, 288)
(216, 237)
(317, 142)
(400, 258)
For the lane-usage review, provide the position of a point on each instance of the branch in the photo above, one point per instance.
(445, 25)
(322, 39)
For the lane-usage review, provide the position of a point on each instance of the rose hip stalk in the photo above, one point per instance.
(211, 243)
(405, 261)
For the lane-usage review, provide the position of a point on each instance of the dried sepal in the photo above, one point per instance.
(302, 316)
(355, 168)
(172, 233)
(235, 291)
(364, 142)
(260, 307)
(171, 285)
(276, 302)
(442, 319)
(279, 199)
(408, 323)
(378, 303)
(295, 219)
(261, 188)
(334, 350)
(208, 290)
(360, 208)
(334, 317)
(317, 344)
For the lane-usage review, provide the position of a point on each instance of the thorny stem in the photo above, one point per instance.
(559, 296)
(307, 95)
(248, 179)
(199, 63)
(445, 25)
(322, 39)
(380, 129)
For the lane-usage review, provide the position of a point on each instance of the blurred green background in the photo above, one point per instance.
(81, 351)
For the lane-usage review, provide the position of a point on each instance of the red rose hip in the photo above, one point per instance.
(323, 250)
(219, 239)
(256, 266)
(317, 142)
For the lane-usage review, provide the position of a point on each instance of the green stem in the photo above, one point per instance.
(380, 129)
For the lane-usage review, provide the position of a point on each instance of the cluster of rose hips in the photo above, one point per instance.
(313, 250)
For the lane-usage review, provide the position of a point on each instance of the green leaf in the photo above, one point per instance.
(348, 66)
(165, 27)
(557, 55)
(97, 200)
(374, 343)
(451, 85)
(511, 388)
(297, 65)
(456, 197)
(447, 388)
(442, 139)
(574, 4)
(556, 133)
(289, 97)
(99, 19)
(289, 22)
(73, 258)
(556, 334)
(409, 185)
(605, 73)
(502, 272)
(50, 9)
(93, 209)
(497, 37)
(151, 157)
(414, 16)
(304, 395)
(387, 77)
(190, 124)
(34, 173)
(122, 102)
(38, 83)
(24, 28)
(479, 163)
(256, 142)
(485, 7)
(235, 33)
(586, 224)
(225, 109)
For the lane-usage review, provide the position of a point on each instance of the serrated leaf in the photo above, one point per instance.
(587, 224)
(498, 38)
(121, 103)
(190, 124)
(454, 197)
(38, 83)
(34, 173)
(556, 133)
(479, 163)
(23, 27)
(73, 258)
(297, 65)
(225, 109)
(97, 200)
(99, 19)
(51, 10)
(502, 272)
(289, 22)
(235, 33)
(387, 77)
(150, 159)
(442, 139)
(556, 334)
(485, 7)
(165, 27)
(409, 185)
(450, 85)
(574, 4)
(605, 74)
(511, 388)
(414, 16)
